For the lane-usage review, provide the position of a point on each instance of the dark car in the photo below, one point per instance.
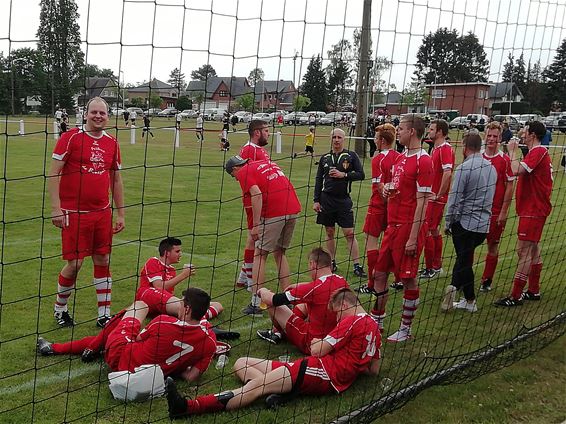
(562, 124)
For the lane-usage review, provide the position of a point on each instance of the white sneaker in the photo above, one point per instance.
(449, 298)
(403, 334)
(463, 304)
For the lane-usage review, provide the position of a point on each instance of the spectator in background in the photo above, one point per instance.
(178, 118)
(234, 121)
(126, 116)
(507, 134)
(199, 128)
(547, 139)
(146, 126)
(133, 117)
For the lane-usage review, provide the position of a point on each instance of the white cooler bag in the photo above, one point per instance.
(146, 382)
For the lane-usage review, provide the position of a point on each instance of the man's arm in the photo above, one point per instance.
(166, 285)
(507, 199)
(53, 181)
(320, 347)
(418, 220)
(445, 183)
(516, 167)
(118, 197)
(191, 374)
(257, 205)
(319, 180)
(373, 368)
(357, 173)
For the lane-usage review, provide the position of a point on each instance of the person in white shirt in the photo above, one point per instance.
(200, 128)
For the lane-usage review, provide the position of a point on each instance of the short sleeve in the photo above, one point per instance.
(509, 176)
(447, 157)
(340, 335)
(117, 164)
(424, 174)
(62, 148)
(153, 270)
(246, 179)
(533, 158)
(376, 172)
(301, 293)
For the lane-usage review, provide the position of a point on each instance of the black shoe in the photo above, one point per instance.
(64, 319)
(294, 156)
(176, 403)
(334, 266)
(225, 334)
(397, 285)
(274, 400)
(427, 273)
(252, 311)
(359, 271)
(530, 296)
(102, 321)
(508, 302)
(316, 163)
(89, 355)
(269, 335)
(486, 285)
(366, 290)
(44, 347)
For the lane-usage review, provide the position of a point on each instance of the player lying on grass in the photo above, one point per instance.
(351, 348)
(182, 345)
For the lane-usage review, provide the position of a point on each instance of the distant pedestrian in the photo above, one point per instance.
(199, 130)
(234, 121)
(146, 126)
(126, 116)
(178, 118)
(133, 117)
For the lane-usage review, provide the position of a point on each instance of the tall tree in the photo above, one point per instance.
(508, 69)
(5, 86)
(380, 65)
(446, 57)
(314, 84)
(204, 72)
(26, 75)
(177, 79)
(536, 91)
(520, 74)
(59, 43)
(301, 103)
(555, 75)
(339, 72)
(91, 70)
(246, 102)
(256, 75)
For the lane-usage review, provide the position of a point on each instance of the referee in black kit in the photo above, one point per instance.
(336, 171)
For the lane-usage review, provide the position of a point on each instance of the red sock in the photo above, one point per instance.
(211, 313)
(410, 303)
(64, 290)
(372, 260)
(74, 347)
(437, 261)
(429, 251)
(490, 265)
(206, 403)
(519, 283)
(534, 278)
(248, 263)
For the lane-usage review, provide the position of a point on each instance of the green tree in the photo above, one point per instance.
(59, 43)
(555, 75)
(5, 86)
(25, 74)
(204, 72)
(155, 101)
(314, 84)
(536, 90)
(91, 70)
(380, 65)
(177, 79)
(414, 94)
(198, 98)
(246, 102)
(339, 72)
(520, 74)
(184, 102)
(508, 68)
(301, 103)
(138, 102)
(256, 75)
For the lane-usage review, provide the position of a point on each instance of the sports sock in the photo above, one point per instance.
(202, 404)
(378, 317)
(372, 256)
(103, 284)
(211, 313)
(248, 264)
(490, 265)
(64, 290)
(534, 278)
(410, 303)
(519, 283)
(256, 300)
(74, 347)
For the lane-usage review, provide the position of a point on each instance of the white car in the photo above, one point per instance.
(243, 116)
(293, 118)
(262, 116)
(189, 113)
(331, 118)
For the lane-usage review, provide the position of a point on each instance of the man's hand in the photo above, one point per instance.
(411, 247)
(266, 296)
(512, 146)
(254, 233)
(119, 225)
(188, 271)
(501, 219)
(334, 173)
(316, 207)
(58, 218)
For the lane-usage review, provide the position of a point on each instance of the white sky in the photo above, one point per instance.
(148, 38)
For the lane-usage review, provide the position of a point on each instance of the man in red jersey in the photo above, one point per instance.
(534, 189)
(252, 150)
(501, 200)
(403, 241)
(182, 345)
(376, 218)
(350, 349)
(85, 167)
(310, 318)
(275, 206)
(443, 159)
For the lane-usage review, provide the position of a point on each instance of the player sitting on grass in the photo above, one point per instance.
(350, 349)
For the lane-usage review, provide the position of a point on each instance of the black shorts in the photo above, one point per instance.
(309, 149)
(335, 211)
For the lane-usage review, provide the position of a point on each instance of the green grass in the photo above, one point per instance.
(184, 192)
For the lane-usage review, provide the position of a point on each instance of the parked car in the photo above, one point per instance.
(116, 111)
(524, 119)
(213, 113)
(514, 124)
(479, 124)
(317, 117)
(460, 122)
(262, 116)
(189, 113)
(170, 111)
(293, 118)
(152, 111)
(550, 122)
(332, 118)
(561, 125)
(138, 110)
(243, 116)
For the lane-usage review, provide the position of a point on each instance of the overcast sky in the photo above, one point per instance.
(148, 38)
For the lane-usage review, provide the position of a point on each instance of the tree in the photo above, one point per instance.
(339, 72)
(138, 102)
(155, 101)
(314, 84)
(246, 102)
(184, 102)
(198, 98)
(414, 94)
(25, 76)
(555, 75)
(256, 75)
(536, 91)
(91, 70)
(203, 73)
(380, 65)
(520, 75)
(59, 44)
(301, 103)
(446, 57)
(177, 79)
(508, 69)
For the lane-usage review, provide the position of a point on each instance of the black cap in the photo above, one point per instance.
(234, 161)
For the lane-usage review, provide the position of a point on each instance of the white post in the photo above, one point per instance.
(177, 144)
(22, 131)
(132, 134)
(278, 142)
(55, 130)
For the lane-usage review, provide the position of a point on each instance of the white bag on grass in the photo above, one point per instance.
(146, 382)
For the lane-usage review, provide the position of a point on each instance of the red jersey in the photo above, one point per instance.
(85, 177)
(278, 194)
(502, 165)
(381, 174)
(535, 187)
(172, 344)
(253, 152)
(315, 295)
(153, 270)
(410, 174)
(356, 341)
(443, 158)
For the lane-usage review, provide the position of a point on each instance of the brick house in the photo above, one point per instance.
(278, 94)
(167, 92)
(466, 97)
(396, 105)
(220, 92)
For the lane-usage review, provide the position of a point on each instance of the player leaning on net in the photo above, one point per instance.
(253, 150)
(275, 207)
(181, 345)
(350, 349)
(85, 167)
(442, 165)
(534, 188)
(332, 202)
(501, 200)
(403, 241)
(376, 217)
(310, 318)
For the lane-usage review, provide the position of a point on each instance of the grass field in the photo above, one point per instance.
(185, 193)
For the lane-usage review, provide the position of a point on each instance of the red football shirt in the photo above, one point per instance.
(356, 341)
(172, 344)
(502, 165)
(278, 194)
(85, 177)
(153, 270)
(380, 173)
(253, 152)
(410, 174)
(535, 187)
(443, 158)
